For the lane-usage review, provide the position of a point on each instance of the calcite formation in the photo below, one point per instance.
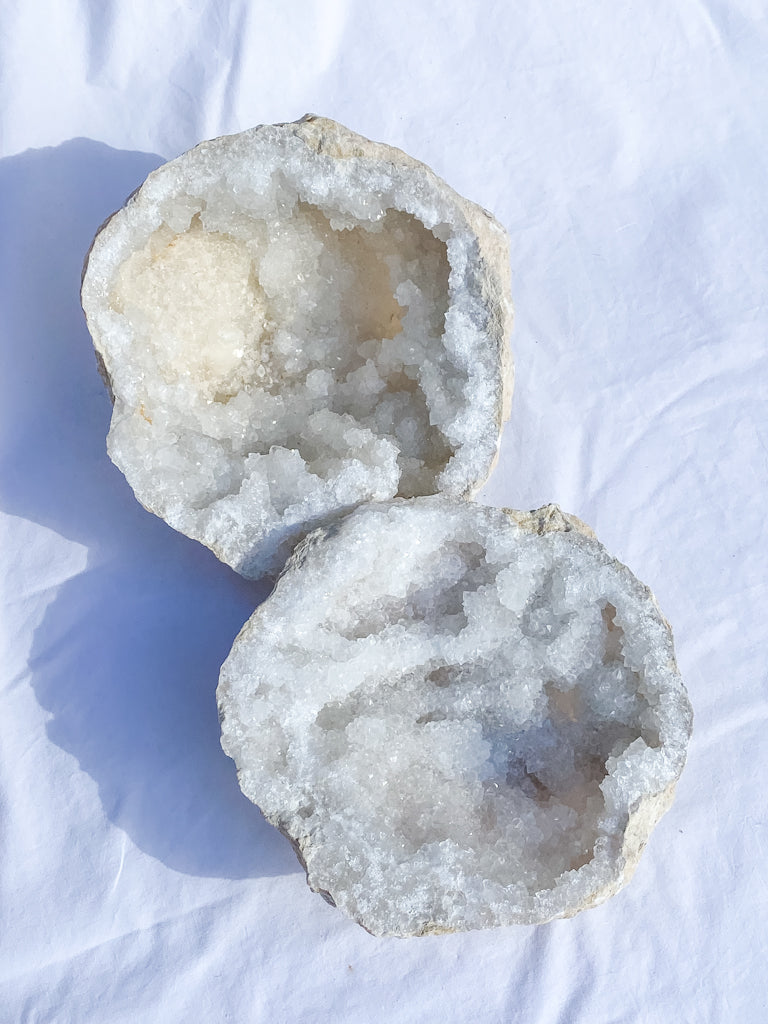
(294, 320)
(460, 716)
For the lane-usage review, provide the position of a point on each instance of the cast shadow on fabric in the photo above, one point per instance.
(126, 658)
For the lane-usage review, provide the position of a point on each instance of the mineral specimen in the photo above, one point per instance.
(460, 716)
(294, 320)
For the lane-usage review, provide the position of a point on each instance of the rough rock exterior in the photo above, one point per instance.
(294, 320)
(460, 716)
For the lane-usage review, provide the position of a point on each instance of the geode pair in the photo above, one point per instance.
(460, 716)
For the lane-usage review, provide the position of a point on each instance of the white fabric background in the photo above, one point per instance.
(624, 147)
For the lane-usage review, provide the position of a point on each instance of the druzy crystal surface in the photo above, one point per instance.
(461, 716)
(294, 320)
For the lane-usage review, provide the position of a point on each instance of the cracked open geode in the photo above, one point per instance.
(460, 716)
(294, 320)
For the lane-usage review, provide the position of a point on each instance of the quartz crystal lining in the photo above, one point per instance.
(294, 320)
(461, 717)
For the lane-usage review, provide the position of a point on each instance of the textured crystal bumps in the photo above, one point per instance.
(294, 320)
(460, 716)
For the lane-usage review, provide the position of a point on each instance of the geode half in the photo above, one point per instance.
(460, 716)
(294, 320)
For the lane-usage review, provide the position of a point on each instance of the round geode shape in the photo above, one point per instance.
(460, 716)
(294, 320)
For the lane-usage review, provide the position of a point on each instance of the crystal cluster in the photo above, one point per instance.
(294, 320)
(461, 716)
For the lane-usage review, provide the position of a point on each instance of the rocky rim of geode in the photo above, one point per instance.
(645, 741)
(256, 495)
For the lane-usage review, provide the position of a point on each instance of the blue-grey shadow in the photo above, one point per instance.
(126, 658)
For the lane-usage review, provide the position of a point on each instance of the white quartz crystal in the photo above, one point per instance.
(294, 320)
(460, 716)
